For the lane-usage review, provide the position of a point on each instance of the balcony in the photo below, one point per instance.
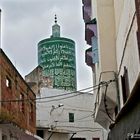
(90, 31)
(88, 58)
(91, 54)
(86, 10)
(106, 99)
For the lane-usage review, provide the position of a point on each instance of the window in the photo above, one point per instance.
(125, 85)
(116, 110)
(31, 113)
(22, 103)
(78, 139)
(95, 138)
(71, 117)
(16, 84)
(40, 133)
(4, 137)
(8, 82)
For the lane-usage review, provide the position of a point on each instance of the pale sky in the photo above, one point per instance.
(26, 22)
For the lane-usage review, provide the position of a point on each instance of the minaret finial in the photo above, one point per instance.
(55, 28)
(55, 19)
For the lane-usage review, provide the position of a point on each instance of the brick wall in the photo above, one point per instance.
(17, 104)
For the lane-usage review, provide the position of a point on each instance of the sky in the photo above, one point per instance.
(26, 22)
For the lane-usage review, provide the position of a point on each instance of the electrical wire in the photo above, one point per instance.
(74, 106)
(126, 41)
(69, 126)
(21, 100)
(97, 129)
(59, 98)
(66, 97)
(75, 121)
(105, 105)
(78, 119)
(84, 117)
(82, 110)
(68, 93)
(101, 85)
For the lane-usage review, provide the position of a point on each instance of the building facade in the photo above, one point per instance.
(117, 71)
(56, 55)
(35, 80)
(99, 34)
(64, 116)
(17, 104)
(127, 124)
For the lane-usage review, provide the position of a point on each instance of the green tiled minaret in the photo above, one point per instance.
(56, 55)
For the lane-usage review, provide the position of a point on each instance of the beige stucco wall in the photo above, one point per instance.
(118, 8)
(107, 57)
(106, 35)
(106, 41)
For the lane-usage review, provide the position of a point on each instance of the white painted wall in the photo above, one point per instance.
(126, 40)
(81, 105)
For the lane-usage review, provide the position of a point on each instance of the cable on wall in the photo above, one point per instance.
(79, 93)
(105, 105)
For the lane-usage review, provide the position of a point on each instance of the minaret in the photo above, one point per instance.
(56, 55)
(55, 29)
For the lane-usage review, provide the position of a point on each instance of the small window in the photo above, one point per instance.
(40, 133)
(31, 113)
(16, 85)
(71, 117)
(22, 103)
(4, 137)
(8, 83)
(78, 139)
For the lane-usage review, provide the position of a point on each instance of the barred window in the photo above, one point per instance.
(71, 117)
